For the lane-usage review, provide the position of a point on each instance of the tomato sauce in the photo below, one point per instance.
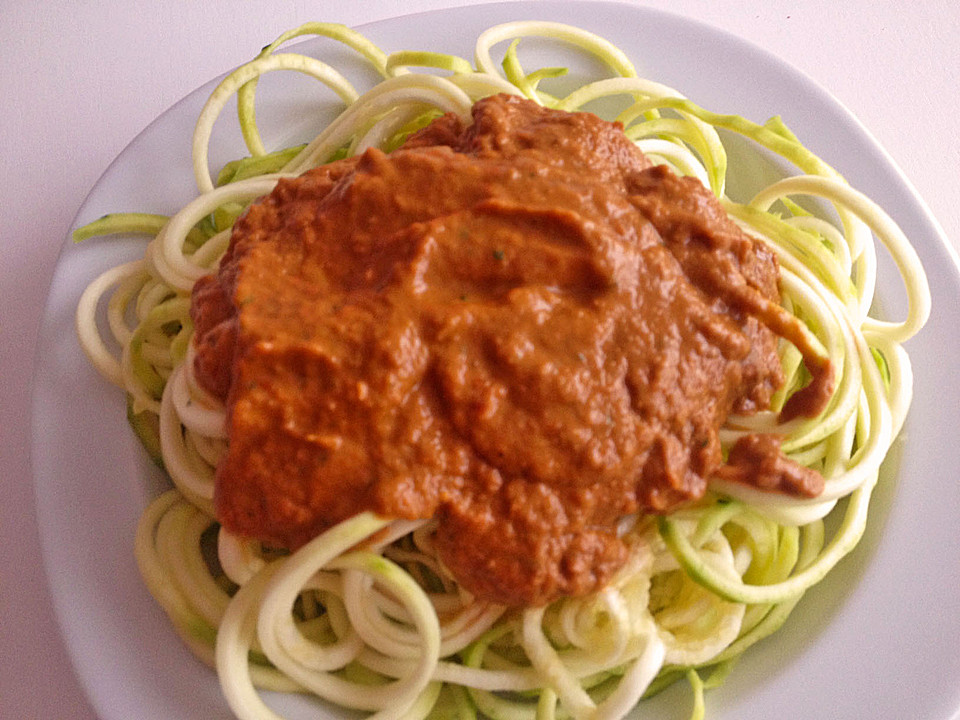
(518, 326)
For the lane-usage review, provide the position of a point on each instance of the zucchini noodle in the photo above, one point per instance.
(365, 616)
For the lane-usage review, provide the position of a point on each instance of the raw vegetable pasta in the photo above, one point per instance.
(365, 616)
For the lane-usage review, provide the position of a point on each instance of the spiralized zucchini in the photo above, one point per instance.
(365, 616)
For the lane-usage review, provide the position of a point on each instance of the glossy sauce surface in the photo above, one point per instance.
(518, 327)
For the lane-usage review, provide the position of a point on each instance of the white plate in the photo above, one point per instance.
(879, 639)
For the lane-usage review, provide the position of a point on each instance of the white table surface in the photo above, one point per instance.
(80, 79)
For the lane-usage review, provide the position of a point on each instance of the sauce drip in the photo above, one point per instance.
(519, 327)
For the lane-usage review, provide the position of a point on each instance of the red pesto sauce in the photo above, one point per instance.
(519, 327)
